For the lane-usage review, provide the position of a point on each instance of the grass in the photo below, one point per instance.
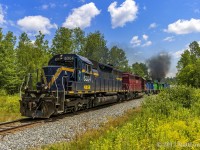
(9, 107)
(170, 120)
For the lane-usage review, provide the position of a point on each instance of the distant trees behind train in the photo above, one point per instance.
(21, 55)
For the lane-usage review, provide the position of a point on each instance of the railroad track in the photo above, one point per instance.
(16, 125)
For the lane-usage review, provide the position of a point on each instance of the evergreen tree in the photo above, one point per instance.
(62, 42)
(9, 76)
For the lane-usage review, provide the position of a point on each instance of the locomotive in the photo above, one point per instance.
(154, 87)
(72, 82)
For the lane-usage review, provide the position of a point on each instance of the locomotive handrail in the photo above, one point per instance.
(63, 85)
(20, 89)
(56, 88)
(29, 74)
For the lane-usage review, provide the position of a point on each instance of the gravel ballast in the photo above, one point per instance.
(64, 129)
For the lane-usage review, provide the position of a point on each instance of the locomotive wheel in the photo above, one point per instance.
(75, 109)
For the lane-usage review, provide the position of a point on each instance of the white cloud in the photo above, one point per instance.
(184, 26)
(145, 37)
(127, 12)
(177, 54)
(148, 43)
(45, 7)
(2, 15)
(51, 5)
(135, 41)
(34, 24)
(82, 16)
(152, 25)
(169, 39)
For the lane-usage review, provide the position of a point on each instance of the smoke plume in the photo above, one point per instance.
(159, 66)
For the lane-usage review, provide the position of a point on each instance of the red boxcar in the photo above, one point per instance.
(133, 83)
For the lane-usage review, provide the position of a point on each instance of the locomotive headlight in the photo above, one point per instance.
(45, 87)
(26, 87)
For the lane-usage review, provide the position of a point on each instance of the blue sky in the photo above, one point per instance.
(143, 28)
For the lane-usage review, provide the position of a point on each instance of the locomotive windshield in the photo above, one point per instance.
(67, 61)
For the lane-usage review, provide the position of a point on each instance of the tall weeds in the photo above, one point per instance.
(169, 120)
(9, 107)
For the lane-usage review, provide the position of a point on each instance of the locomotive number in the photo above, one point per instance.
(69, 58)
(87, 78)
(86, 87)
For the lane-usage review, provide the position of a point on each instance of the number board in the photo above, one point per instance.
(86, 87)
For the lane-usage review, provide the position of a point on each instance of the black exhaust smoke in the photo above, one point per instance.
(159, 66)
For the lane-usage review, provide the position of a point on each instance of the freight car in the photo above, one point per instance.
(133, 85)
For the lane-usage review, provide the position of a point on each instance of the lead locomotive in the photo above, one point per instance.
(69, 83)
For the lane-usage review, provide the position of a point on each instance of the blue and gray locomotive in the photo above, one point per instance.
(70, 83)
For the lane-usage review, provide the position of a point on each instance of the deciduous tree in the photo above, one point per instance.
(117, 58)
(140, 69)
(189, 66)
(95, 47)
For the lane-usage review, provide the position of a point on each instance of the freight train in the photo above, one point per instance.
(72, 82)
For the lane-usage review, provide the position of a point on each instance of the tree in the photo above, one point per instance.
(78, 40)
(140, 69)
(95, 47)
(41, 50)
(184, 60)
(62, 42)
(189, 66)
(117, 58)
(8, 76)
(24, 52)
(31, 56)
